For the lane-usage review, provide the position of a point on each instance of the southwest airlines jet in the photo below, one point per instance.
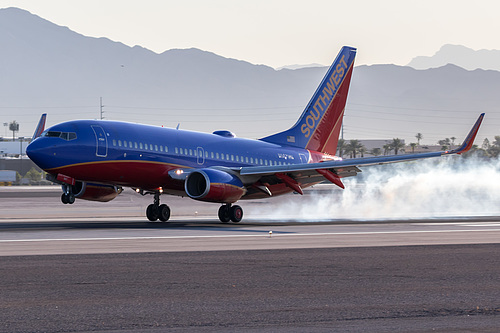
(94, 160)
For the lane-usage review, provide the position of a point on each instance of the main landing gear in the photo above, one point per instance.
(155, 211)
(230, 213)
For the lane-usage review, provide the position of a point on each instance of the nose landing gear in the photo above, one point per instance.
(155, 211)
(67, 197)
(230, 213)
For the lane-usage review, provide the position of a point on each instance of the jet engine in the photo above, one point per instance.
(214, 186)
(94, 192)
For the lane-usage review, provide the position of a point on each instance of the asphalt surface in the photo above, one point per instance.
(380, 289)
(78, 269)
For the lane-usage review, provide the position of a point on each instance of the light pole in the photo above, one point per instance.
(21, 138)
(5, 125)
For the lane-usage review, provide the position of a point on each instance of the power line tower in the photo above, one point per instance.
(100, 109)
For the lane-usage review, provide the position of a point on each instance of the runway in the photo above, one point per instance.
(48, 227)
(114, 235)
(85, 269)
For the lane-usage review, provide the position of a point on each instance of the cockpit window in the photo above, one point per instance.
(68, 136)
(52, 134)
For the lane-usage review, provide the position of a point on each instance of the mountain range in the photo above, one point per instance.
(461, 56)
(49, 68)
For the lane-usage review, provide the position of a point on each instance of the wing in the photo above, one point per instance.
(302, 175)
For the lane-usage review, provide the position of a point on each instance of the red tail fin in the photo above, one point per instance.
(319, 125)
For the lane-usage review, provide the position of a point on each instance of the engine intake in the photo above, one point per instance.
(95, 192)
(214, 186)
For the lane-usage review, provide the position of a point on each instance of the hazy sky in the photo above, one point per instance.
(282, 32)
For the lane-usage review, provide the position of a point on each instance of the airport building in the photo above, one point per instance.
(13, 157)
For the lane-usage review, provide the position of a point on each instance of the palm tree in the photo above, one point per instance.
(341, 147)
(413, 145)
(362, 150)
(397, 145)
(419, 137)
(453, 140)
(387, 149)
(353, 147)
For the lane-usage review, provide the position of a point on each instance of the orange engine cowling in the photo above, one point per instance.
(95, 192)
(214, 186)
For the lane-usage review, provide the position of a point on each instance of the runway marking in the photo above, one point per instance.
(275, 234)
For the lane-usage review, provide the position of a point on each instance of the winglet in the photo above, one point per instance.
(40, 128)
(469, 140)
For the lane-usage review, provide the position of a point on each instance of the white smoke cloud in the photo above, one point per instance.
(446, 187)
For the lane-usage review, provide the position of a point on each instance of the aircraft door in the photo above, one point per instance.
(101, 141)
(201, 155)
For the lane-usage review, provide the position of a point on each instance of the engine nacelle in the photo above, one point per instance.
(94, 192)
(214, 186)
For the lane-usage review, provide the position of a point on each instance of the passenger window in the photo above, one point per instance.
(206, 154)
(217, 155)
(156, 147)
(114, 142)
(176, 150)
(166, 149)
(221, 156)
(161, 149)
(140, 145)
(135, 145)
(251, 160)
(232, 157)
(261, 162)
(150, 147)
(212, 154)
(125, 144)
(265, 162)
(237, 158)
(246, 159)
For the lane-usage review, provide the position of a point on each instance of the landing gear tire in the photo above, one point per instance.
(152, 213)
(67, 198)
(163, 213)
(224, 213)
(236, 213)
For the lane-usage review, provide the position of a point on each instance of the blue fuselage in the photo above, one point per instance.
(141, 156)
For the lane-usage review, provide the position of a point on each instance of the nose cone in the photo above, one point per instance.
(38, 153)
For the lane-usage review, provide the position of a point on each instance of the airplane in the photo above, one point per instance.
(96, 159)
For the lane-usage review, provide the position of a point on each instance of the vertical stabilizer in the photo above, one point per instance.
(41, 127)
(318, 127)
